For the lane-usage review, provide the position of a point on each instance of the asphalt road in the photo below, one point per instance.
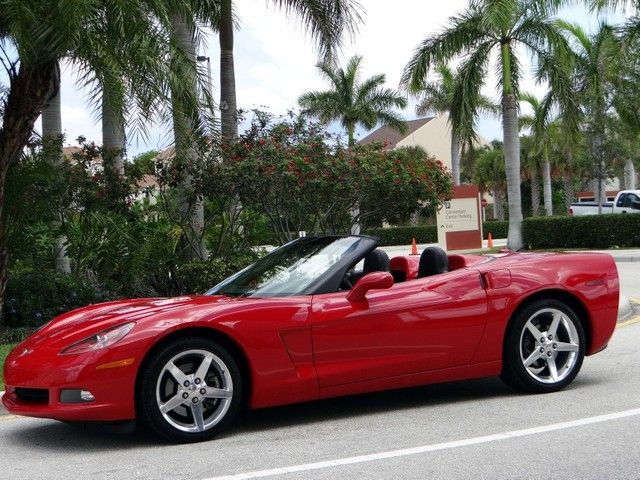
(454, 431)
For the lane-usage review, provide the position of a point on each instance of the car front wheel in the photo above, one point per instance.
(544, 347)
(190, 390)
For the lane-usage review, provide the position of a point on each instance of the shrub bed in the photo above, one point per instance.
(428, 233)
(404, 235)
(588, 231)
(33, 298)
(497, 228)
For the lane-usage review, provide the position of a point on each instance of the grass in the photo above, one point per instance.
(4, 351)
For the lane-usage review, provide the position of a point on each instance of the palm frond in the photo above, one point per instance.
(471, 76)
(464, 34)
(326, 20)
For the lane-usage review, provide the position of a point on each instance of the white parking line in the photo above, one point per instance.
(429, 448)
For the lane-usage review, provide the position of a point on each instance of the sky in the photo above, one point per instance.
(275, 61)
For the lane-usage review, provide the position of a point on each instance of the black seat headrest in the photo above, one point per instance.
(376, 261)
(433, 261)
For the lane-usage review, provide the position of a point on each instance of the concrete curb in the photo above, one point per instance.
(626, 259)
(3, 411)
(624, 308)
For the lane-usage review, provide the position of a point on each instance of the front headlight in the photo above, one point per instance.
(104, 339)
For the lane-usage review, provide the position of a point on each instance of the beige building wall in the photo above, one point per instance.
(434, 137)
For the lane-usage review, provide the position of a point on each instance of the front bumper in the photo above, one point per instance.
(46, 373)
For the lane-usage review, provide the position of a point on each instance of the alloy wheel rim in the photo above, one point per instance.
(549, 346)
(194, 391)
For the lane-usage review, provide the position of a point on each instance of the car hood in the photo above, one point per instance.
(86, 321)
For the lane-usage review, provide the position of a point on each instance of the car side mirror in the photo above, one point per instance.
(635, 205)
(371, 281)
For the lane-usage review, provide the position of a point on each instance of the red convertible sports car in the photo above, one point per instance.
(319, 317)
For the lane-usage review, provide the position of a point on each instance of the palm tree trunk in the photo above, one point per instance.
(629, 175)
(184, 127)
(351, 136)
(498, 204)
(113, 136)
(546, 185)
(598, 182)
(512, 168)
(52, 145)
(228, 105)
(23, 106)
(535, 192)
(569, 193)
(455, 158)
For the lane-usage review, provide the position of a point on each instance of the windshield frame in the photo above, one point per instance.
(327, 282)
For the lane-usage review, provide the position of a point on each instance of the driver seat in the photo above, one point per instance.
(376, 261)
(433, 261)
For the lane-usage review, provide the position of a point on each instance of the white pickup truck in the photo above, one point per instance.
(626, 201)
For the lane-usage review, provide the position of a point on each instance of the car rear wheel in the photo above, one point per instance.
(190, 390)
(544, 347)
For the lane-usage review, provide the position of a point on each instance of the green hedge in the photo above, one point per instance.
(497, 228)
(588, 231)
(32, 298)
(404, 235)
(428, 233)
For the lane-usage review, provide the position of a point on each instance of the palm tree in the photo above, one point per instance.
(52, 147)
(542, 134)
(497, 29)
(489, 175)
(354, 102)
(594, 70)
(625, 100)
(185, 128)
(531, 165)
(326, 20)
(437, 97)
(36, 35)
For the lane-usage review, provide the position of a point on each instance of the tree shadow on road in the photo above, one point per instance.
(52, 435)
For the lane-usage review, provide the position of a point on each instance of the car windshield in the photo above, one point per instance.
(290, 269)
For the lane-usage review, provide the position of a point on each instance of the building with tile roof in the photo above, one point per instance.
(431, 133)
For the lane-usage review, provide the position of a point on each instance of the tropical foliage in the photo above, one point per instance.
(353, 101)
(502, 30)
(326, 20)
(437, 97)
(300, 178)
(170, 224)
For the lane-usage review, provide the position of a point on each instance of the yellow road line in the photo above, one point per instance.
(635, 299)
(631, 321)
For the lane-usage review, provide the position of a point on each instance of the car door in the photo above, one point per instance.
(415, 326)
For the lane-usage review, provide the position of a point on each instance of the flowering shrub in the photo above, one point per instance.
(301, 178)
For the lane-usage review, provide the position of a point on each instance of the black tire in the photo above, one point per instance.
(157, 386)
(563, 351)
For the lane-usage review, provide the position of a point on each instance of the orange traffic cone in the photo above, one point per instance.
(414, 247)
(490, 241)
